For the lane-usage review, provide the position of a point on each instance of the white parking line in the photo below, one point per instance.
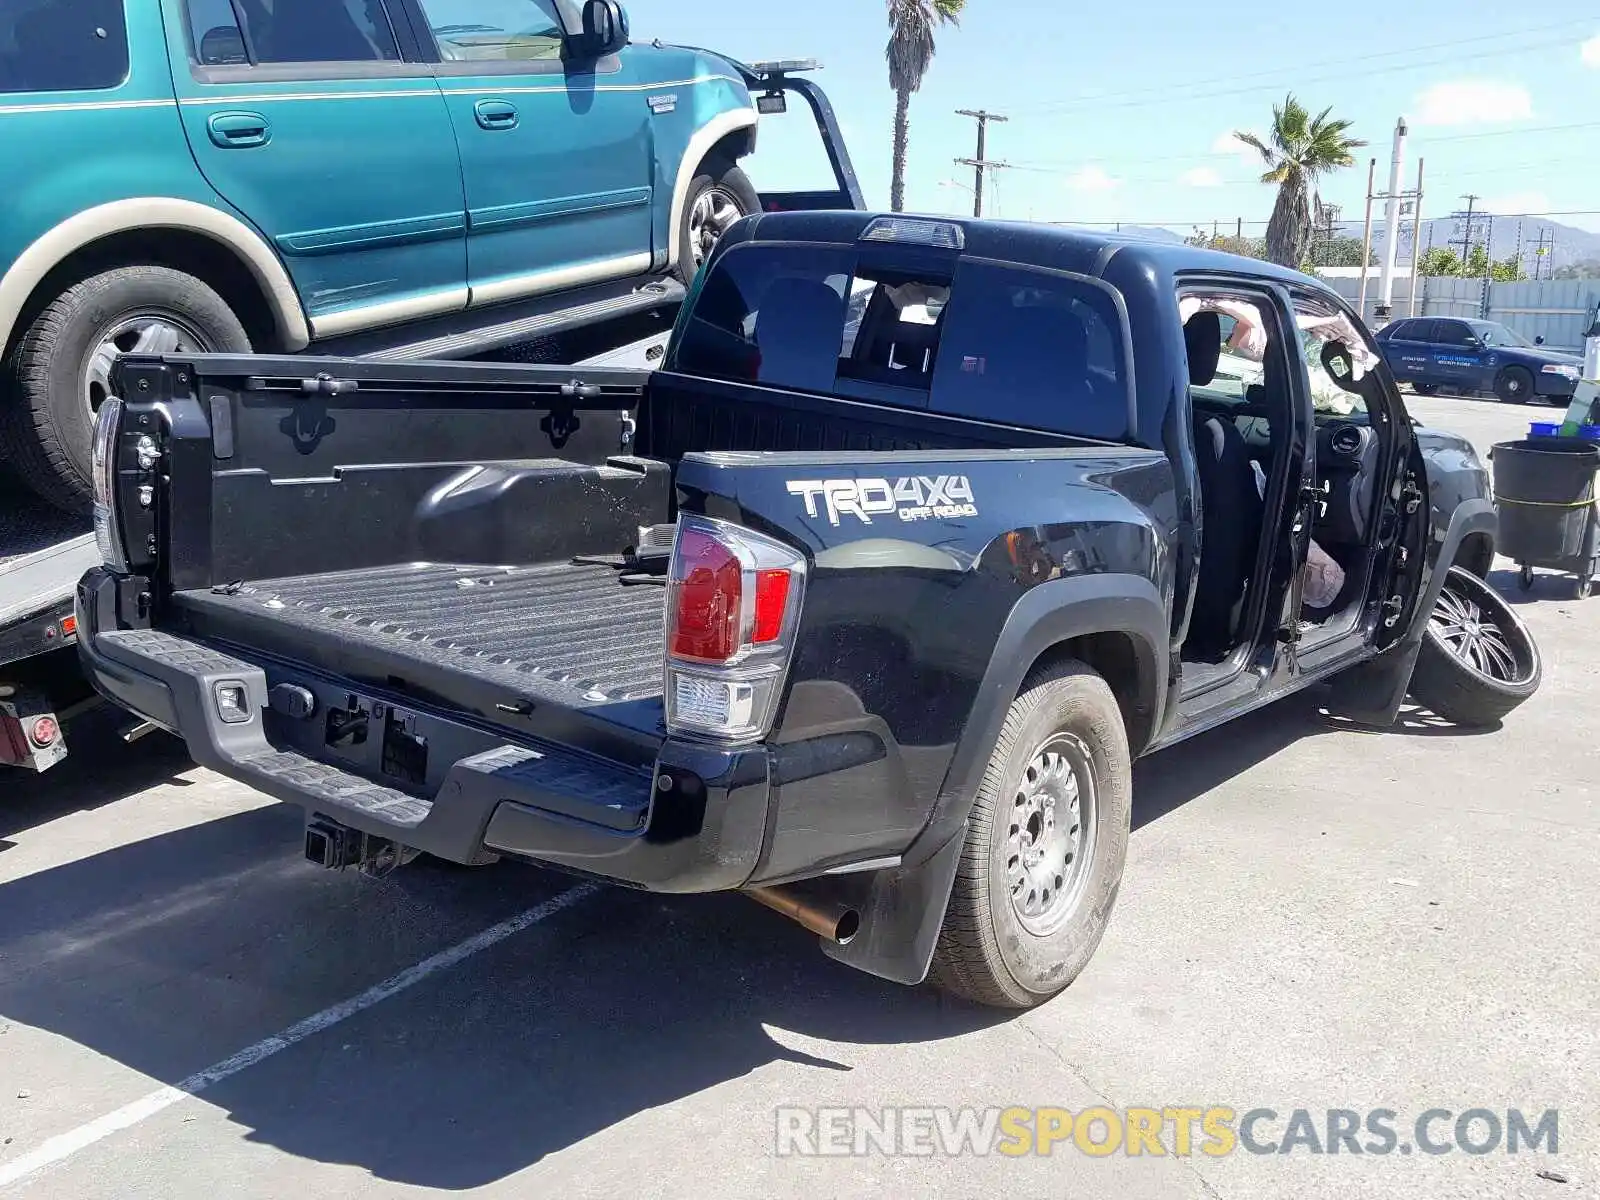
(59, 1149)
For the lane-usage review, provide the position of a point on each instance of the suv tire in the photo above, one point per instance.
(46, 425)
(1045, 845)
(719, 194)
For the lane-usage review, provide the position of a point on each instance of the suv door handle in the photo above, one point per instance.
(495, 114)
(239, 130)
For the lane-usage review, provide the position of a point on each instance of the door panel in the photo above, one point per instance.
(1456, 360)
(555, 153)
(349, 167)
(1412, 355)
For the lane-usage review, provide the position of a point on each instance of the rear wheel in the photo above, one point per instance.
(1514, 385)
(61, 368)
(1045, 846)
(718, 196)
(1478, 661)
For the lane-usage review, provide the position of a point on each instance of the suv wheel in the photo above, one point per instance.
(718, 196)
(62, 363)
(1514, 385)
(1045, 846)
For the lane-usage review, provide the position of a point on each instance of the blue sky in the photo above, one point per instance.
(1120, 113)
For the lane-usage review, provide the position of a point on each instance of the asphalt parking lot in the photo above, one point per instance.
(1313, 917)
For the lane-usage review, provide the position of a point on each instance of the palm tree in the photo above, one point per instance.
(910, 54)
(1300, 149)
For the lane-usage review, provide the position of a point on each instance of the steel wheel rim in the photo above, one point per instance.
(144, 332)
(1514, 385)
(1483, 638)
(1050, 834)
(714, 210)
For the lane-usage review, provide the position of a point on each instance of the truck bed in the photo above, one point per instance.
(568, 633)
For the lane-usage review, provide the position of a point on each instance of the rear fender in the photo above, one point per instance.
(903, 907)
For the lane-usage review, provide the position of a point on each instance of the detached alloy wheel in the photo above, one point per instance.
(1478, 661)
(1045, 845)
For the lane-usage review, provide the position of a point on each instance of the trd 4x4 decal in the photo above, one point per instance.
(912, 498)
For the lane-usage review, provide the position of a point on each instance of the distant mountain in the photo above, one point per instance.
(1569, 246)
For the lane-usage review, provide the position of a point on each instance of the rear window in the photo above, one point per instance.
(1026, 347)
(62, 45)
(995, 342)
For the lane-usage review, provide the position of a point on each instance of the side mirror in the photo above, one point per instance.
(605, 28)
(1539, 340)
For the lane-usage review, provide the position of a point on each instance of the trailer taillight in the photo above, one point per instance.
(733, 603)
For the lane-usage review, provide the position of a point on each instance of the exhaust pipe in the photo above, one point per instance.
(836, 922)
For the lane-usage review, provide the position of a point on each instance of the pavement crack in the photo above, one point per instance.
(1109, 1101)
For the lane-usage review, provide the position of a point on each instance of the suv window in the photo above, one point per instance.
(495, 30)
(62, 45)
(227, 33)
(1404, 331)
(1028, 347)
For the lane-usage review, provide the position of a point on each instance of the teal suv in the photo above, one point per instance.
(234, 175)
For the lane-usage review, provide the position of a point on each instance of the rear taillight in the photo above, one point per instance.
(733, 602)
(107, 533)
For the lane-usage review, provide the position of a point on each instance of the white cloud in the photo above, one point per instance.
(1518, 202)
(1473, 102)
(1202, 177)
(1092, 179)
(1227, 143)
(1591, 52)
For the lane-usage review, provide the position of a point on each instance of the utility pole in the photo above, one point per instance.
(1466, 232)
(1391, 223)
(1366, 238)
(1542, 250)
(980, 163)
(1416, 241)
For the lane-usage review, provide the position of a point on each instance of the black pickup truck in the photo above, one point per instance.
(861, 604)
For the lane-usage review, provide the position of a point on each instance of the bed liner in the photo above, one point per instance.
(569, 633)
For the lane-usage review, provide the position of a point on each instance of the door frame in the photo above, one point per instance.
(1255, 662)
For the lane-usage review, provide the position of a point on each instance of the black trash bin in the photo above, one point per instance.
(1544, 491)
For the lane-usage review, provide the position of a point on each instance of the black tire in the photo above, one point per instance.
(1479, 689)
(47, 422)
(715, 175)
(1514, 385)
(1425, 389)
(985, 953)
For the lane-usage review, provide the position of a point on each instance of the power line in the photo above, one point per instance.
(1520, 131)
(1165, 89)
(980, 163)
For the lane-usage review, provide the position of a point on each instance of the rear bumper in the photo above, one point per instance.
(696, 822)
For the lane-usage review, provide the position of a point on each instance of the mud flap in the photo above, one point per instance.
(1372, 693)
(902, 909)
